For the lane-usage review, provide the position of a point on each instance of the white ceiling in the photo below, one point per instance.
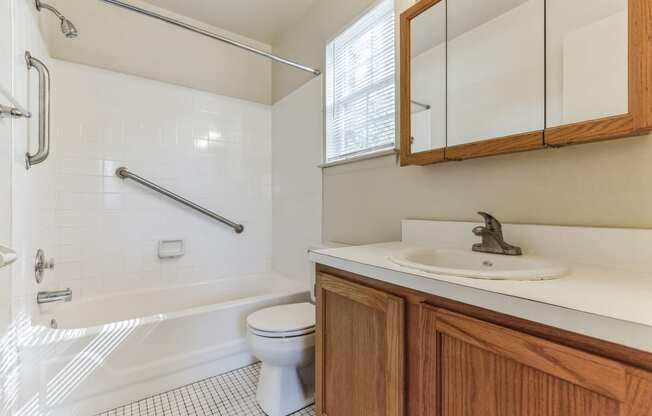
(261, 20)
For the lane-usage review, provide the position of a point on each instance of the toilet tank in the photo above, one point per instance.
(313, 276)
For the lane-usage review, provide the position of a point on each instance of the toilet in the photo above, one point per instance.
(283, 339)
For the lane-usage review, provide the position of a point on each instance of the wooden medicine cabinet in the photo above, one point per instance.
(488, 78)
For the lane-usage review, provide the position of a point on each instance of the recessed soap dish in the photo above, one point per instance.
(169, 249)
(7, 256)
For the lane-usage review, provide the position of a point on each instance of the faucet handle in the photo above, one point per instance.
(41, 265)
(491, 222)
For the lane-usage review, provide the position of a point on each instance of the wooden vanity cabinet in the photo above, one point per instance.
(461, 360)
(359, 350)
(484, 369)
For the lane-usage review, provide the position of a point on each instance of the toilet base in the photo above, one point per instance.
(285, 390)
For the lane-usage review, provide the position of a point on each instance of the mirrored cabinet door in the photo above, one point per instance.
(496, 76)
(423, 79)
(586, 60)
(428, 79)
(588, 69)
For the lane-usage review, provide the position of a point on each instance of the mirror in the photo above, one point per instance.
(496, 69)
(428, 79)
(587, 60)
(489, 77)
(476, 72)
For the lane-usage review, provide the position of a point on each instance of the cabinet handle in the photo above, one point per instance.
(43, 112)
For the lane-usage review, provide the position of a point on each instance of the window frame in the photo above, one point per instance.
(369, 153)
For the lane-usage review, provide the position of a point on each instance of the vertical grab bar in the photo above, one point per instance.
(43, 112)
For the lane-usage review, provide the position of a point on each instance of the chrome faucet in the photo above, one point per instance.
(492, 238)
(55, 296)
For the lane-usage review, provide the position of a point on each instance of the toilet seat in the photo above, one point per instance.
(288, 334)
(283, 321)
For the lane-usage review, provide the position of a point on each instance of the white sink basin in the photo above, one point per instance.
(479, 265)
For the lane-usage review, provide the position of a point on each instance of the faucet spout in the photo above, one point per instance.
(492, 238)
(55, 296)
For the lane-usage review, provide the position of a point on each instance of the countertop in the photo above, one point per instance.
(606, 303)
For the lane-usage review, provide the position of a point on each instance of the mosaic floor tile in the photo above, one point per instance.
(230, 394)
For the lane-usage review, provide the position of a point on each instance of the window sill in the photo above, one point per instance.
(372, 155)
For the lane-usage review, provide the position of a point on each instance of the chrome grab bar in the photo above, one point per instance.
(123, 173)
(14, 109)
(422, 105)
(212, 35)
(43, 112)
(13, 112)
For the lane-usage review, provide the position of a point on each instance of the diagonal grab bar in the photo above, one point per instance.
(123, 173)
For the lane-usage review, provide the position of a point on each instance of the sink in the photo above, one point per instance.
(475, 265)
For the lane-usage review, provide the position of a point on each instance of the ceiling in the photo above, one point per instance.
(261, 20)
(123, 41)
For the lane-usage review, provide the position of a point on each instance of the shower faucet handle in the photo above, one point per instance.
(41, 265)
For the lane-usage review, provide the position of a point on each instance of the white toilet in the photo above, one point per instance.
(283, 339)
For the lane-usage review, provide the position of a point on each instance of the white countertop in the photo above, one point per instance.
(605, 303)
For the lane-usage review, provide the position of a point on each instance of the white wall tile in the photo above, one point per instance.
(32, 197)
(213, 150)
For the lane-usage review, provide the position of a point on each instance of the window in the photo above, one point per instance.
(360, 68)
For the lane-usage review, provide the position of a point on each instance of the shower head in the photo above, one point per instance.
(67, 27)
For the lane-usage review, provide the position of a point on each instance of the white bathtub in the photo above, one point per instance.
(116, 349)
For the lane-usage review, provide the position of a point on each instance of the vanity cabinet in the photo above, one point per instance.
(359, 350)
(485, 369)
(461, 360)
(487, 78)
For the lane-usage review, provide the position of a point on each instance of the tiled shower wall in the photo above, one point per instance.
(213, 150)
(26, 196)
(7, 344)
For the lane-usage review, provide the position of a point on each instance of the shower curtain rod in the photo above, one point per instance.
(212, 35)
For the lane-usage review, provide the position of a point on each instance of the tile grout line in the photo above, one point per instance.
(229, 394)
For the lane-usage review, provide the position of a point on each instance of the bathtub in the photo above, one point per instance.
(112, 350)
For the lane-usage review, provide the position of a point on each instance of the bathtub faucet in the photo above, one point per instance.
(56, 296)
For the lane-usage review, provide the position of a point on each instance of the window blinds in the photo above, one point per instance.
(360, 86)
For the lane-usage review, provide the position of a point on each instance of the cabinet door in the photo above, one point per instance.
(495, 77)
(423, 83)
(598, 64)
(474, 368)
(587, 68)
(359, 351)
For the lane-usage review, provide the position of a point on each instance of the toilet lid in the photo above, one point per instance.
(298, 317)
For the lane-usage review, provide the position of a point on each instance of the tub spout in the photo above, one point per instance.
(56, 296)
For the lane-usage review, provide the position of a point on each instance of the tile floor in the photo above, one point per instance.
(230, 394)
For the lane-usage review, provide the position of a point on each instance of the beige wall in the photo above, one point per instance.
(305, 41)
(601, 184)
(123, 41)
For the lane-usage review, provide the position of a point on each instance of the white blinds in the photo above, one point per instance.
(360, 67)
